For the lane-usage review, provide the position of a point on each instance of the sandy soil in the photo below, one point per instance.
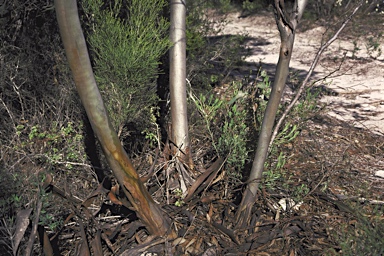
(355, 83)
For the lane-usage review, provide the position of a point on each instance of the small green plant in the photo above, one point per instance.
(214, 79)
(152, 134)
(373, 46)
(259, 98)
(226, 125)
(366, 237)
(55, 144)
(210, 108)
(223, 6)
(47, 217)
(253, 6)
(307, 106)
(19, 129)
(208, 51)
(233, 139)
(355, 50)
(48, 220)
(300, 192)
(289, 133)
(11, 196)
(34, 132)
(151, 137)
(15, 199)
(179, 195)
(275, 173)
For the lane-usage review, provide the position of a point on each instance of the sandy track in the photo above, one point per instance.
(357, 87)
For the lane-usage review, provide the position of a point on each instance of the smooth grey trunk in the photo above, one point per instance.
(304, 84)
(177, 81)
(287, 19)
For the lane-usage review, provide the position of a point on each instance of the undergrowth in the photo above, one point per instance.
(43, 129)
(365, 235)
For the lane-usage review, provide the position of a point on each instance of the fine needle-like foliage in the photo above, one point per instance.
(127, 40)
(74, 43)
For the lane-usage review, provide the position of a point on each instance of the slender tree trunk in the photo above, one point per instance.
(177, 82)
(77, 54)
(304, 84)
(287, 19)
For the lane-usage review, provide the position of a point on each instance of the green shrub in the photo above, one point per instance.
(126, 42)
(275, 175)
(225, 121)
(234, 136)
(55, 144)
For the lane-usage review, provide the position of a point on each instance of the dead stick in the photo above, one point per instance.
(31, 241)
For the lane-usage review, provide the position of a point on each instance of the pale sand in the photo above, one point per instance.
(359, 83)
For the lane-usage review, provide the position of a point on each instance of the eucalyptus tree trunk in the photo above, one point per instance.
(177, 82)
(287, 16)
(77, 54)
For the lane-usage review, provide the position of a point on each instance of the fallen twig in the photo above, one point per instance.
(31, 241)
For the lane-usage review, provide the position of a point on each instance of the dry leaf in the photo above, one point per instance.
(22, 222)
(96, 244)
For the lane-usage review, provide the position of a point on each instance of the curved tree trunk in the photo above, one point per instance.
(76, 50)
(287, 18)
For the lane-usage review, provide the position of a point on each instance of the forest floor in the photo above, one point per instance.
(327, 199)
(335, 158)
(339, 151)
